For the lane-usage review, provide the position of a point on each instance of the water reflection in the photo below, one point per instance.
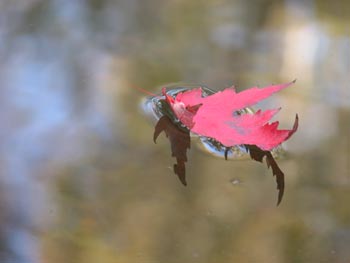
(81, 181)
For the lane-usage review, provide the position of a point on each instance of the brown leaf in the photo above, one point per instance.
(257, 154)
(180, 141)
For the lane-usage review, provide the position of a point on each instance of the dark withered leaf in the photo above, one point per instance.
(180, 142)
(257, 154)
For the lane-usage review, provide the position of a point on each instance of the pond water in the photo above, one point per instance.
(81, 178)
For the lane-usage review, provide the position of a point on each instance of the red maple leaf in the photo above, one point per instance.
(215, 116)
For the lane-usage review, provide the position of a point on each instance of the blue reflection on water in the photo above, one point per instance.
(38, 87)
(39, 125)
(28, 244)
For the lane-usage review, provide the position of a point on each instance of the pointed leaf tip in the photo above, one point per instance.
(163, 90)
(226, 152)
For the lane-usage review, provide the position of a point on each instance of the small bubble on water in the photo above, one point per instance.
(235, 181)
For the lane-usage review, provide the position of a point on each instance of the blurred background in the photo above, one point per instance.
(81, 179)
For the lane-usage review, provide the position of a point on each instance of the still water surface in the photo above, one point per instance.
(81, 178)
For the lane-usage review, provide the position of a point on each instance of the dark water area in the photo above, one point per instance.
(81, 179)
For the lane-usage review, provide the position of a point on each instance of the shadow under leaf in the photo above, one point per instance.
(258, 154)
(180, 142)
